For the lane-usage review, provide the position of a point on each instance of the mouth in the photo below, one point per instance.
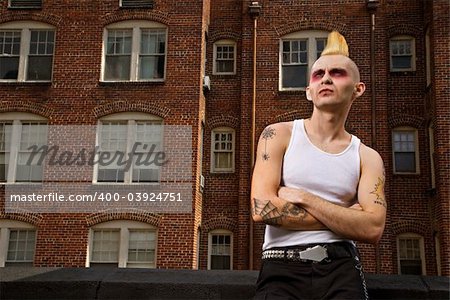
(325, 91)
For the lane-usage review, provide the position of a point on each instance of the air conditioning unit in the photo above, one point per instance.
(206, 83)
(202, 182)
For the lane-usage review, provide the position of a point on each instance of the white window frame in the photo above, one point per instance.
(226, 130)
(229, 43)
(25, 27)
(124, 227)
(220, 232)
(5, 227)
(413, 236)
(135, 26)
(131, 118)
(414, 131)
(17, 119)
(310, 36)
(404, 38)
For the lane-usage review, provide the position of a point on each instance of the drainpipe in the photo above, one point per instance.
(372, 6)
(254, 10)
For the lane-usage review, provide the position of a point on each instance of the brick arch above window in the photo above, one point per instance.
(50, 19)
(125, 15)
(222, 121)
(404, 29)
(409, 227)
(26, 107)
(131, 215)
(219, 223)
(223, 35)
(27, 217)
(406, 120)
(303, 25)
(290, 116)
(124, 106)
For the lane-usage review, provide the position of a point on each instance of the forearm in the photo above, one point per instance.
(284, 214)
(350, 223)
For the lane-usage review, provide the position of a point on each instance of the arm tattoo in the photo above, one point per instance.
(267, 134)
(272, 216)
(378, 191)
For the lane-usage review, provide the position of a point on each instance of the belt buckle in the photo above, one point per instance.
(316, 253)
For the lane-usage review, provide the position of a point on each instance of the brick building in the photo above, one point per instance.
(123, 66)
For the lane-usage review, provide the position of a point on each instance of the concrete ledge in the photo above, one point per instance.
(90, 283)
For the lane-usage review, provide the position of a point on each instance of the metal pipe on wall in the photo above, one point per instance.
(254, 10)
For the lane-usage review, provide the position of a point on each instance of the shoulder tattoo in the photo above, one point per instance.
(267, 134)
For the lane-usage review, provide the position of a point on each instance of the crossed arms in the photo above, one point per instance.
(296, 209)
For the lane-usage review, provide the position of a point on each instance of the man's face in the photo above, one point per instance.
(333, 81)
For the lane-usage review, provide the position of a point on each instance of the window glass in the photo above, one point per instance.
(9, 54)
(410, 256)
(223, 149)
(404, 151)
(141, 248)
(105, 246)
(22, 243)
(221, 252)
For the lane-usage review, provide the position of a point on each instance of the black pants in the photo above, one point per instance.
(340, 278)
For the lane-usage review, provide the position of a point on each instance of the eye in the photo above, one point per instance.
(338, 73)
(318, 74)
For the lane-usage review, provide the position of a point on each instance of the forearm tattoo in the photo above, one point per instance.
(378, 191)
(267, 134)
(271, 215)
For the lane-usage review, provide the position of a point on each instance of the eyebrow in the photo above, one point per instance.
(317, 71)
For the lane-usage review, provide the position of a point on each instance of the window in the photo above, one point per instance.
(136, 3)
(405, 150)
(124, 133)
(17, 243)
(26, 51)
(222, 158)
(25, 4)
(134, 51)
(410, 254)
(298, 52)
(224, 57)
(220, 250)
(402, 50)
(123, 244)
(18, 133)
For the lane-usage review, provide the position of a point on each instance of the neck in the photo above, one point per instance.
(327, 126)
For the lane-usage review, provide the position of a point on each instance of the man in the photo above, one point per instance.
(318, 189)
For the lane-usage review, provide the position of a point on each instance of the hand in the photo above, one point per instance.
(292, 195)
(356, 206)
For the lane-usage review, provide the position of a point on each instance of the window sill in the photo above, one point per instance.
(218, 173)
(130, 83)
(406, 174)
(26, 83)
(403, 72)
(292, 92)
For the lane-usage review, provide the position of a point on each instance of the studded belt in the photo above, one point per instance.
(313, 253)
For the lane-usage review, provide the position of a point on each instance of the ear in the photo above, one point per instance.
(308, 94)
(359, 90)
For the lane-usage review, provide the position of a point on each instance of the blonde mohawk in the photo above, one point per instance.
(336, 44)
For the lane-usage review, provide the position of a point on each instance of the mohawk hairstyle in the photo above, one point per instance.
(336, 44)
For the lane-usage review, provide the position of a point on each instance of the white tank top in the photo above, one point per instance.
(333, 177)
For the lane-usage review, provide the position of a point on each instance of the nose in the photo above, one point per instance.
(326, 79)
